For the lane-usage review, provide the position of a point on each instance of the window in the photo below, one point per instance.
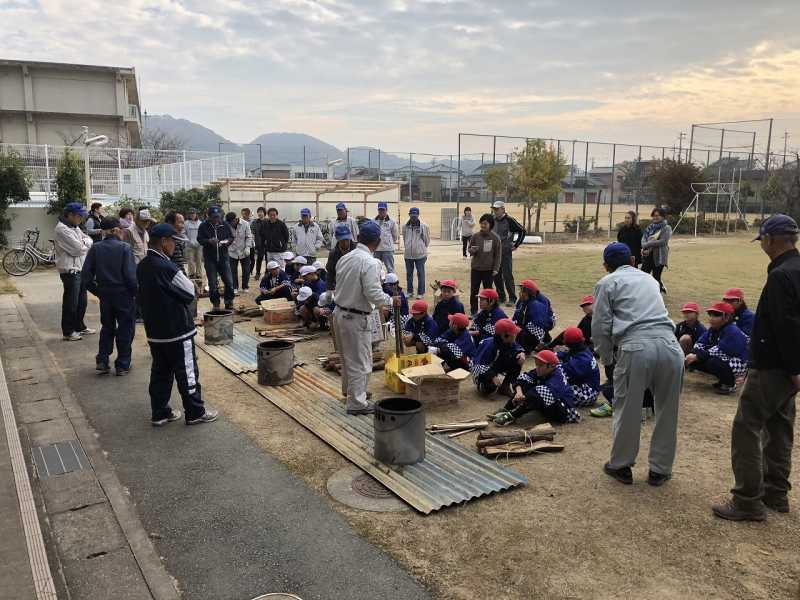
(126, 178)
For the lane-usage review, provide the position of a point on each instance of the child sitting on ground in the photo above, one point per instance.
(534, 316)
(743, 317)
(293, 270)
(391, 287)
(498, 355)
(420, 330)
(690, 329)
(309, 277)
(449, 304)
(545, 389)
(580, 367)
(321, 272)
(489, 314)
(455, 346)
(275, 284)
(585, 324)
(721, 350)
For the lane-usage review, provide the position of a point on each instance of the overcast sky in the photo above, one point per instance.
(406, 75)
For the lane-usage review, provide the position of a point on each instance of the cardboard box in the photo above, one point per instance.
(431, 386)
(395, 364)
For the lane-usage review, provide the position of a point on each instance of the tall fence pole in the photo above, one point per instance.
(691, 145)
(766, 166)
(585, 179)
(47, 169)
(555, 212)
(119, 171)
(613, 185)
(458, 179)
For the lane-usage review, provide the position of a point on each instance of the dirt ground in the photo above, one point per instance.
(572, 532)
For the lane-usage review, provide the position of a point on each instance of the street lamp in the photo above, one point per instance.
(333, 163)
(95, 140)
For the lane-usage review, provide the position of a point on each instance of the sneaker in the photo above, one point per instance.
(206, 288)
(207, 417)
(174, 416)
(725, 390)
(780, 504)
(657, 479)
(102, 367)
(604, 410)
(236, 292)
(729, 511)
(363, 410)
(623, 475)
(504, 418)
(88, 331)
(73, 337)
(122, 372)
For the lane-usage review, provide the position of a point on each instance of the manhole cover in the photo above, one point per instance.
(354, 488)
(367, 486)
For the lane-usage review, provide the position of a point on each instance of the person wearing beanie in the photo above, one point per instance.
(630, 316)
(688, 331)
(390, 234)
(722, 350)
(489, 314)
(275, 284)
(447, 305)
(585, 324)
(534, 316)
(391, 287)
(543, 388)
(344, 219)
(416, 239)
(743, 317)
(420, 330)
(580, 367)
(498, 355)
(454, 345)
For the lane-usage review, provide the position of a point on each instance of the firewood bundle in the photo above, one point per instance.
(518, 442)
(458, 428)
(333, 362)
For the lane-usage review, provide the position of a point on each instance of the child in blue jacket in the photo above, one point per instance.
(498, 355)
(534, 315)
(420, 330)
(275, 284)
(743, 317)
(455, 346)
(580, 368)
(447, 305)
(391, 286)
(489, 314)
(722, 350)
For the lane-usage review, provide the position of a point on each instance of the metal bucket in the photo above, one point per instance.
(275, 362)
(399, 431)
(218, 327)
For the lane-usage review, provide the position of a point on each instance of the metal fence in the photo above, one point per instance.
(139, 174)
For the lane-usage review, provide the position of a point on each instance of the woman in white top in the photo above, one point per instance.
(466, 224)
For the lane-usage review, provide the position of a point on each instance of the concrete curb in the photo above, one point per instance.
(158, 581)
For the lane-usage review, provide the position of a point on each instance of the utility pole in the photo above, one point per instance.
(681, 137)
(785, 143)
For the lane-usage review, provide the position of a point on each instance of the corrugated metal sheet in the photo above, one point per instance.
(449, 475)
(239, 356)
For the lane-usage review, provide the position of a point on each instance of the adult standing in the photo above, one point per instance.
(344, 244)
(358, 293)
(511, 234)
(763, 428)
(276, 237)
(93, 221)
(179, 223)
(466, 226)
(630, 234)
(390, 234)
(239, 251)
(126, 217)
(165, 294)
(342, 217)
(655, 246)
(629, 315)
(486, 251)
(416, 239)
(257, 255)
(71, 246)
(307, 237)
(137, 235)
(110, 274)
(214, 236)
(193, 251)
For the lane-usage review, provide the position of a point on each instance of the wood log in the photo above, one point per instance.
(522, 448)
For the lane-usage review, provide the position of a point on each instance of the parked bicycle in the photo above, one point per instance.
(27, 255)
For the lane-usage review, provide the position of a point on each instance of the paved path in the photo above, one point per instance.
(230, 521)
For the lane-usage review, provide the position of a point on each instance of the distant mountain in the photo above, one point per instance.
(193, 135)
(288, 148)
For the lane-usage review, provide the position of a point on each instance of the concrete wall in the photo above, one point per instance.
(28, 217)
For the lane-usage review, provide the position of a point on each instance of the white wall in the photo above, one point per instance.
(28, 217)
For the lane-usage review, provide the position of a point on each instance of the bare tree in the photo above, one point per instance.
(158, 139)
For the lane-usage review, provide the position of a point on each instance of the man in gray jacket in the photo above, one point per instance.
(306, 237)
(630, 319)
(416, 239)
(389, 236)
(71, 246)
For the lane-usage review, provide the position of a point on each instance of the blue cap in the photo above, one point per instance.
(383, 205)
(305, 212)
(342, 232)
(414, 211)
(369, 231)
(76, 207)
(777, 224)
(162, 230)
(617, 254)
(341, 206)
(214, 211)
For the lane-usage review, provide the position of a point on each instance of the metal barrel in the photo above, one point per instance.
(218, 327)
(399, 431)
(275, 362)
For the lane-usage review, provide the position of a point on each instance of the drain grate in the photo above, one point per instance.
(59, 458)
(369, 487)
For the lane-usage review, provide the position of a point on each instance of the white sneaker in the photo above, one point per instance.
(206, 288)
(88, 331)
(73, 337)
(236, 292)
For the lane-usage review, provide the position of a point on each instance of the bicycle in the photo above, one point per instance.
(27, 255)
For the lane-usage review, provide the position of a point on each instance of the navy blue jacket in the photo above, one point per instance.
(493, 350)
(459, 344)
(535, 316)
(424, 329)
(443, 309)
(109, 268)
(205, 237)
(728, 343)
(744, 319)
(318, 286)
(553, 388)
(484, 321)
(695, 332)
(387, 289)
(165, 293)
(268, 281)
(580, 366)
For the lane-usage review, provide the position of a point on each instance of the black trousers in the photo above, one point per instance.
(223, 270)
(260, 253)
(118, 324)
(554, 411)
(464, 242)
(245, 262)
(175, 361)
(504, 280)
(648, 266)
(283, 292)
(509, 366)
(476, 280)
(718, 368)
(73, 303)
(529, 342)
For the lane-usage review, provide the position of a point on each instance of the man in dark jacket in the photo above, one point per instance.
(275, 236)
(165, 293)
(762, 463)
(214, 236)
(109, 273)
(511, 235)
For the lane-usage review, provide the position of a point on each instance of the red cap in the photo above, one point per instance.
(587, 300)
(547, 356)
(733, 294)
(721, 307)
(451, 283)
(573, 335)
(530, 284)
(691, 307)
(460, 320)
(506, 326)
(488, 294)
(419, 307)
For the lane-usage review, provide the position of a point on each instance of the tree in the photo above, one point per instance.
(536, 174)
(672, 183)
(15, 182)
(70, 183)
(782, 192)
(158, 139)
(182, 200)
